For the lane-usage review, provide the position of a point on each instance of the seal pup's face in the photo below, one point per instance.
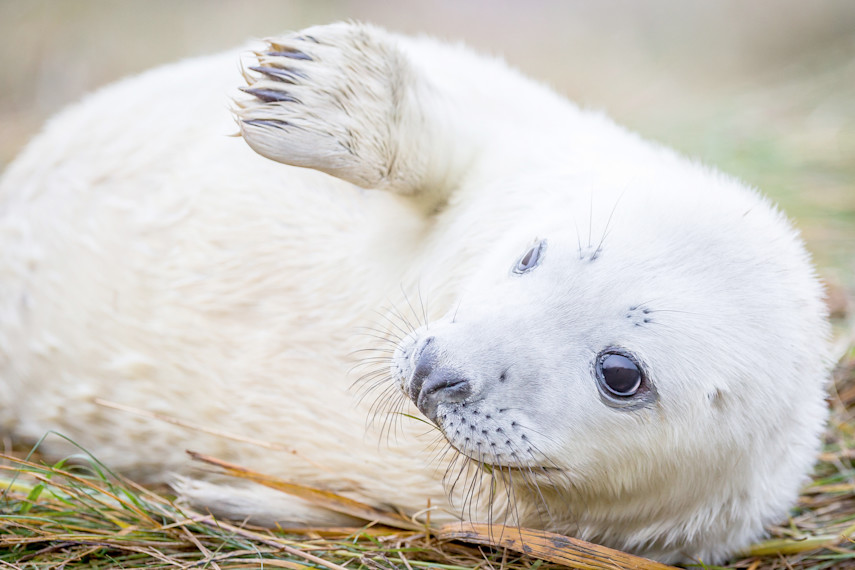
(504, 376)
(545, 361)
(641, 376)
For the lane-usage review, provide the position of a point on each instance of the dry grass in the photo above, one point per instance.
(79, 514)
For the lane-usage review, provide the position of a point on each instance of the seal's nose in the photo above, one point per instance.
(433, 384)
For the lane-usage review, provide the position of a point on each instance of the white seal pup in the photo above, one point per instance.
(630, 345)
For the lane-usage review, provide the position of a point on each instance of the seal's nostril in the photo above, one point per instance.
(441, 386)
(433, 382)
(442, 380)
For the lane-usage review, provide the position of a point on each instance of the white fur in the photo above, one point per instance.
(150, 260)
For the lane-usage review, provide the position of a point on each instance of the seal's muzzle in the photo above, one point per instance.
(434, 383)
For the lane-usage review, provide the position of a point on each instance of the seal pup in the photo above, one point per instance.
(615, 343)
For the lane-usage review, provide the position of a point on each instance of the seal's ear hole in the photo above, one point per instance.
(530, 258)
(619, 374)
(717, 399)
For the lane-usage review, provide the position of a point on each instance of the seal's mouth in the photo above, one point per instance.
(490, 448)
(493, 439)
(527, 470)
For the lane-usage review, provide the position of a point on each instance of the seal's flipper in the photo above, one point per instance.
(346, 99)
(256, 504)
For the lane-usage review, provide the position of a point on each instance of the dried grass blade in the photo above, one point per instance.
(322, 498)
(547, 546)
(787, 546)
(274, 542)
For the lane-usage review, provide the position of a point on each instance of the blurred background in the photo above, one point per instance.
(764, 90)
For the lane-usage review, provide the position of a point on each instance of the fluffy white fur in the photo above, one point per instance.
(151, 260)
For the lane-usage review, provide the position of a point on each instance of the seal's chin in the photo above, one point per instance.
(536, 480)
(529, 469)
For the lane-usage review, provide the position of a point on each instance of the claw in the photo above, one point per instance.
(275, 123)
(280, 74)
(270, 95)
(284, 51)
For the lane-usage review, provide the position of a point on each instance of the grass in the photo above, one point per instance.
(77, 513)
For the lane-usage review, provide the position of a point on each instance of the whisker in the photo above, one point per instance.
(385, 339)
(375, 349)
(379, 381)
(423, 304)
(383, 331)
(400, 314)
(599, 247)
(410, 305)
(392, 322)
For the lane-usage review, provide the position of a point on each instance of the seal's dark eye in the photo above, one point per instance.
(619, 374)
(531, 258)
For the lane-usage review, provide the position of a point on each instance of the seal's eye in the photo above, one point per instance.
(619, 374)
(531, 258)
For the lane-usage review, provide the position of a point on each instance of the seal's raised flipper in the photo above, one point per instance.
(345, 99)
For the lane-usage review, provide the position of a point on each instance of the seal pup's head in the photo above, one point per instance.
(653, 382)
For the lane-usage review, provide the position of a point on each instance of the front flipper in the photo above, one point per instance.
(342, 99)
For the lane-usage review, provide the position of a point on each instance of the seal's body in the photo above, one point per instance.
(631, 345)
